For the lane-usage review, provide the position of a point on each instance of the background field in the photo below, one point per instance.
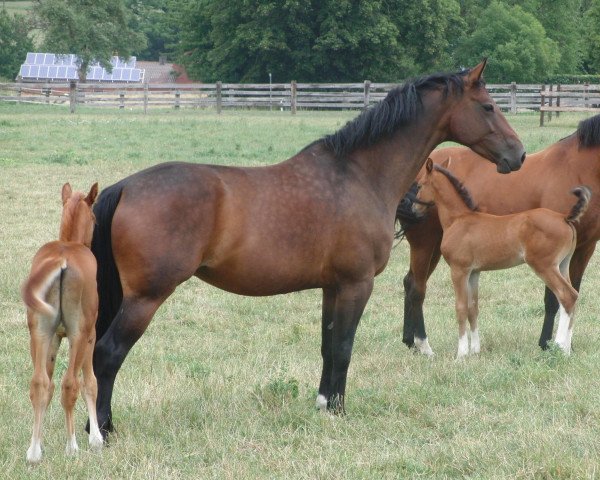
(223, 386)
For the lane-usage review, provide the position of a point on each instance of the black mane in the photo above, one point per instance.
(401, 106)
(588, 132)
(459, 187)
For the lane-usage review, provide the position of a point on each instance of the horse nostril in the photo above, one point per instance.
(523, 157)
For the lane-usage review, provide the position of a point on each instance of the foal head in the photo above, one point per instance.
(437, 178)
(77, 223)
(476, 121)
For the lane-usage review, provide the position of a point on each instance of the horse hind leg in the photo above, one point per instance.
(70, 388)
(110, 351)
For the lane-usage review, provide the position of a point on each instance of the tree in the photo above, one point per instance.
(515, 42)
(591, 35)
(150, 17)
(94, 30)
(14, 44)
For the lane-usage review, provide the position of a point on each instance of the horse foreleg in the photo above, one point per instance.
(424, 257)
(350, 303)
(328, 310)
(460, 281)
(110, 351)
(473, 312)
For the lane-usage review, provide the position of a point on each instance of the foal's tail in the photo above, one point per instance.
(42, 276)
(583, 194)
(110, 292)
(404, 212)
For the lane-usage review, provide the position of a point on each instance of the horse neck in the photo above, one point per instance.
(73, 226)
(392, 165)
(448, 201)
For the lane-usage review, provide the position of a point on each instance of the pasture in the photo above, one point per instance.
(223, 386)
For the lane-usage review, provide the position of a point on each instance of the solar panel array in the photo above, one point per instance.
(50, 66)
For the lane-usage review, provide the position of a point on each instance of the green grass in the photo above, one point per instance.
(223, 386)
(17, 7)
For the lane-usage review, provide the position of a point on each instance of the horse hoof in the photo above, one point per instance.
(321, 403)
(34, 455)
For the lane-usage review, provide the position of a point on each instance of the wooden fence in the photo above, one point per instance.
(568, 98)
(292, 96)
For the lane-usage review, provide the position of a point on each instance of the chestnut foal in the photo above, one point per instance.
(473, 242)
(62, 301)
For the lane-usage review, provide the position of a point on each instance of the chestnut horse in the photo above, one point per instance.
(475, 242)
(321, 219)
(62, 301)
(544, 181)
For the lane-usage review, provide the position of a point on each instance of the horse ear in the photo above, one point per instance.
(91, 197)
(429, 165)
(476, 72)
(66, 192)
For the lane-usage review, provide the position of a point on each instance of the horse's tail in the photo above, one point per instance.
(110, 291)
(404, 212)
(42, 276)
(583, 194)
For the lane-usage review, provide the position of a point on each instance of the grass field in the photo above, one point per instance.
(223, 386)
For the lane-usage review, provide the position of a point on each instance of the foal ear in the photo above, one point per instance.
(429, 165)
(446, 163)
(66, 192)
(91, 197)
(474, 75)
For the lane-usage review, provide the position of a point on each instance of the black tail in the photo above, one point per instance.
(583, 194)
(109, 284)
(404, 213)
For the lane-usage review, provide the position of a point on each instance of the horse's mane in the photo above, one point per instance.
(459, 187)
(588, 132)
(401, 106)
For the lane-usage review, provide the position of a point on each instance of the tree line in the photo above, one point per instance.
(318, 40)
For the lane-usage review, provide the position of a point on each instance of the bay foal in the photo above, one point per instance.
(473, 242)
(62, 301)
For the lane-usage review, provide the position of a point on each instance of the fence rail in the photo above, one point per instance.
(292, 96)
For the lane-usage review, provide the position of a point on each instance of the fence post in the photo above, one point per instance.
(121, 99)
(177, 97)
(219, 99)
(72, 95)
(558, 99)
(542, 104)
(47, 92)
(513, 98)
(19, 92)
(550, 102)
(294, 95)
(367, 94)
(586, 95)
(145, 96)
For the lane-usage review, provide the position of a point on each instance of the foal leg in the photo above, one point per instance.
(460, 280)
(90, 391)
(39, 390)
(350, 303)
(70, 386)
(326, 343)
(579, 262)
(473, 312)
(567, 296)
(110, 351)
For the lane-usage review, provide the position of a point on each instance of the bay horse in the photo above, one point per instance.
(544, 181)
(321, 219)
(474, 242)
(62, 301)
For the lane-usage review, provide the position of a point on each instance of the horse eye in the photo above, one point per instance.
(488, 107)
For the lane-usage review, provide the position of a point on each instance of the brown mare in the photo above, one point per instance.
(475, 242)
(544, 181)
(62, 301)
(321, 219)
